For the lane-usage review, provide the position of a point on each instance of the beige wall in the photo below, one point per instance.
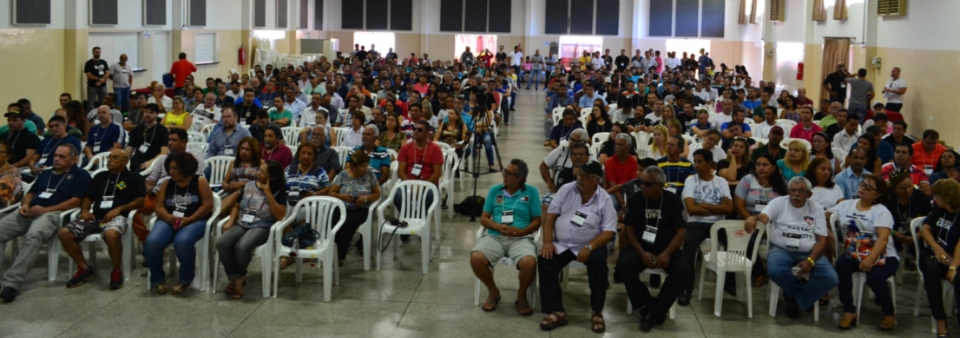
(228, 41)
(34, 67)
(931, 96)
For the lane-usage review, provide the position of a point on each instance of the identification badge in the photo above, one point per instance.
(46, 194)
(793, 243)
(179, 212)
(144, 147)
(248, 216)
(759, 206)
(416, 170)
(96, 145)
(507, 217)
(579, 218)
(43, 160)
(671, 187)
(650, 235)
(843, 85)
(107, 202)
(928, 169)
(228, 151)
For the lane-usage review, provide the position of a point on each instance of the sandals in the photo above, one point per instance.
(846, 324)
(549, 323)
(523, 310)
(491, 305)
(162, 289)
(179, 289)
(758, 282)
(887, 323)
(285, 262)
(233, 292)
(599, 325)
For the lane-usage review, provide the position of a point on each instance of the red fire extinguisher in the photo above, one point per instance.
(800, 70)
(241, 56)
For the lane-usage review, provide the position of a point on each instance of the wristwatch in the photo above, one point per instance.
(589, 247)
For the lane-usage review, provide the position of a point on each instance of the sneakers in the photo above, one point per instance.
(646, 323)
(8, 294)
(81, 277)
(116, 279)
(684, 299)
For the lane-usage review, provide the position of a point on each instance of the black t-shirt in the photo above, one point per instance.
(661, 218)
(19, 143)
(628, 103)
(943, 230)
(501, 56)
(154, 138)
(833, 130)
(565, 176)
(903, 214)
(743, 171)
(98, 68)
(837, 84)
(622, 62)
(125, 187)
(609, 148)
(247, 112)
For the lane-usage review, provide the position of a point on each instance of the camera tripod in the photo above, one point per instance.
(475, 170)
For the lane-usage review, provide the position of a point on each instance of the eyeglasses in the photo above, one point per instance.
(506, 172)
(867, 187)
(798, 191)
(649, 184)
(116, 158)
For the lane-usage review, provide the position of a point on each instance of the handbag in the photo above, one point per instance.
(304, 235)
(858, 245)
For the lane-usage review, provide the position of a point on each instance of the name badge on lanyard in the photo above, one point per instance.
(96, 145)
(928, 169)
(144, 147)
(416, 169)
(650, 234)
(506, 217)
(46, 194)
(228, 149)
(671, 187)
(760, 205)
(107, 202)
(248, 216)
(43, 159)
(179, 212)
(579, 218)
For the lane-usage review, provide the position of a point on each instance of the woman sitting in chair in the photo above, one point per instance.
(263, 201)
(181, 219)
(941, 258)
(243, 169)
(868, 247)
(304, 180)
(754, 192)
(357, 187)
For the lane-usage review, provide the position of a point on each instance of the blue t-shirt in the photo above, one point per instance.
(63, 187)
(379, 158)
(525, 204)
(559, 132)
(884, 151)
(102, 139)
(313, 181)
(746, 127)
(49, 145)
(467, 119)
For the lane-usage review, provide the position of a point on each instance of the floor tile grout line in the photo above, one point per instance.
(262, 302)
(91, 313)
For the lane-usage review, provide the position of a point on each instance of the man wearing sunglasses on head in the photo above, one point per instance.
(420, 160)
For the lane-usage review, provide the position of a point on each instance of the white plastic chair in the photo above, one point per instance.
(506, 260)
(126, 239)
(366, 233)
(98, 161)
(450, 164)
(319, 214)
(413, 195)
(442, 145)
(206, 130)
(859, 277)
(54, 247)
(773, 296)
(203, 249)
(394, 166)
(733, 258)
(600, 137)
(200, 148)
(262, 251)
(945, 285)
(343, 152)
(672, 313)
(219, 166)
(24, 188)
(193, 136)
(291, 136)
(341, 134)
(787, 124)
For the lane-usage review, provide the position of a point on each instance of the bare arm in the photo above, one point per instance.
(545, 175)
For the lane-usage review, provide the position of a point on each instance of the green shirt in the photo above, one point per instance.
(525, 204)
(763, 150)
(828, 121)
(286, 114)
(29, 125)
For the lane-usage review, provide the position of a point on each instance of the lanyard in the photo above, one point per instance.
(101, 133)
(51, 179)
(153, 135)
(415, 153)
(15, 138)
(503, 192)
(108, 185)
(46, 149)
(904, 218)
(264, 154)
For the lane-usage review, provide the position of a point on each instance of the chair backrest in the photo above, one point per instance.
(341, 134)
(443, 146)
(450, 164)
(319, 213)
(207, 129)
(915, 230)
(413, 195)
(787, 124)
(393, 155)
(738, 239)
(601, 137)
(595, 150)
(200, 148)
(291, 136)
(193, 136)
(556, 119)
(219, 166)
(99, 161)
(342, 152)
(785, 144)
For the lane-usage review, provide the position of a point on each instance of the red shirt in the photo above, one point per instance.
(426, 157)
(917, 175)
(619, 173)
(180, 70)
(280, 154)
(799, 131)
(925, 160)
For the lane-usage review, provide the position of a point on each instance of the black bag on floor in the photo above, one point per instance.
(471, 206)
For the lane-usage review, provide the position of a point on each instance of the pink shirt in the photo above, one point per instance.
(799, 131)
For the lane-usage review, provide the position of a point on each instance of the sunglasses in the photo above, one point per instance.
(648, 184)
(420, 130)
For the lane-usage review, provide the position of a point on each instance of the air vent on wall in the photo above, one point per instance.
(891, 7)
(776, 10)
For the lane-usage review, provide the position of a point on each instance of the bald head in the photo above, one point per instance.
(104, 115)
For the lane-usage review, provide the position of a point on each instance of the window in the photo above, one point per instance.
(600, 17)
(573, 46)
(477, 43)
(383, 41)
(481, 16)
(206, 44)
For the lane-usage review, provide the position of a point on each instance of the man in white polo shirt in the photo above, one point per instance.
(893, 91)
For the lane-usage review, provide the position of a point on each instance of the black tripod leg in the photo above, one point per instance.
(496, 150)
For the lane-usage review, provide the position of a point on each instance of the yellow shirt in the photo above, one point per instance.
(176, 120)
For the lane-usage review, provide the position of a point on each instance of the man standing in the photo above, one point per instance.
(893, 91)
(112, 195)
(516, 60)
(550, 62)
(38, 218)
(467, 57)
(225, 138)
(654, 233)
(122, 76)
(501, 56)
(861, 93)
(511, 217)
(798, 239)
(97, 72)
(835, 84)
(180, 71)
(849, 179)
(707, 200)
(105, 137)
(148, 141)
(536, 70)
(622, 61)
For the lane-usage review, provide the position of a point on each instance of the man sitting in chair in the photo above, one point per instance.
(579, 223)
(112, 195)
(54, 191)
(511, 216)
(798, 239)
(655, 232)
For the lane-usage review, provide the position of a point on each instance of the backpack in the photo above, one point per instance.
(471, 206)
(305, 234)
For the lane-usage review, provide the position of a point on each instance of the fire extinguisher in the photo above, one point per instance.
(241, 56)
(800, 71)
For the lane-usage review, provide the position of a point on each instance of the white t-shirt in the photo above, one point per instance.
(717, 151)
(203, 116)
(856, 225)
(308, 116)
(763, 129)
(166, 102)
(719, 119)
(673, 63)
(827, 197)
(795, 229)
(516, 59)
(892, 84)
(710, 192)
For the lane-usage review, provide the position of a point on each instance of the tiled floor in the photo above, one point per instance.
(399, 300)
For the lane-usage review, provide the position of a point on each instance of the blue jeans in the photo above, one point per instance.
(513, 98)
(535, 77)
(123, 98)
(858, 110)
(487, 144)
(184, 243)
(823, 277)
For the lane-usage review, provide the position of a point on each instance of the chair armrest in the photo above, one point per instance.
(12, 207)
(66, 213)
(220, 225)
(480, 232)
